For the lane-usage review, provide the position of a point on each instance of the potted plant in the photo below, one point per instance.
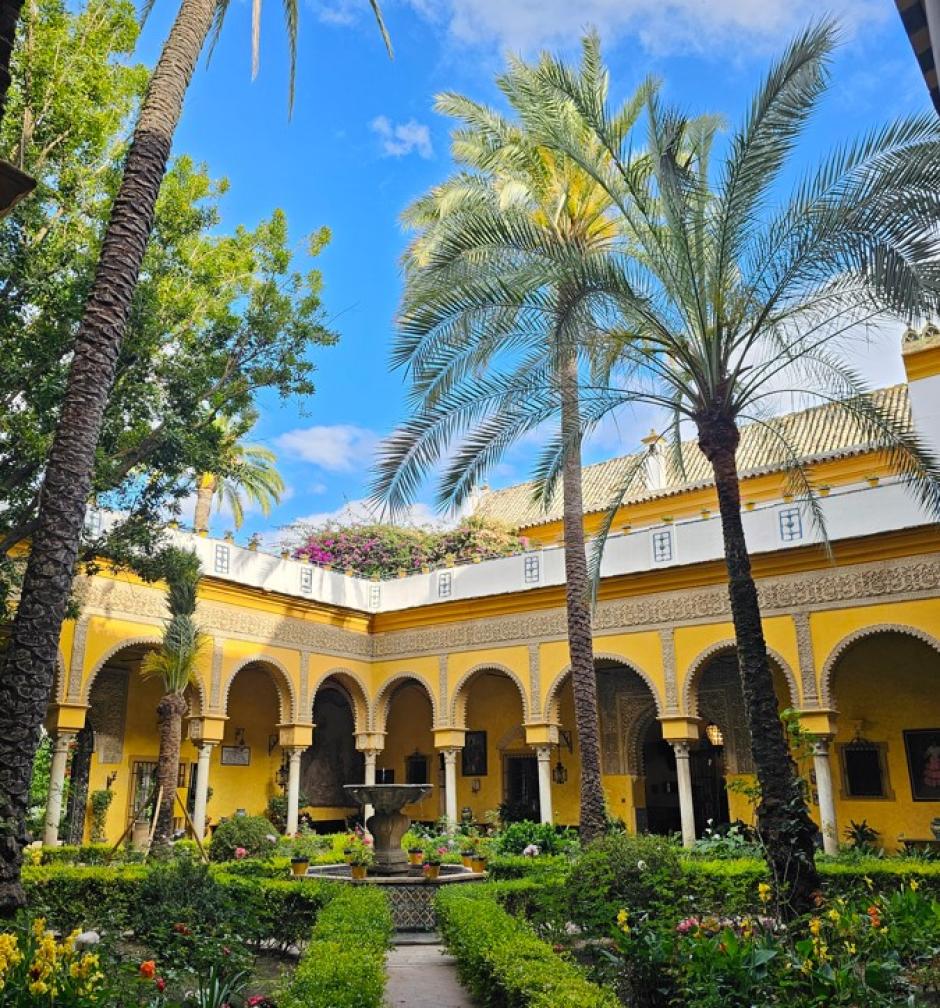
(415, 855)
(432, 862)
(300, 859)
(348, 848)
(469, 848)
(361, 857)
(478, 862)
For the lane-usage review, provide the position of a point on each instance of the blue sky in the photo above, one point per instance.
(364, 141)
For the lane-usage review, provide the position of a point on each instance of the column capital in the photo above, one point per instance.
(370, 741)
(449, 738)
(681, 747)
(818, 721)
(543, 752)
(680, 729)
(295, 736)
(450, 754)
(206, 728)
(66, 717)
(541, 734)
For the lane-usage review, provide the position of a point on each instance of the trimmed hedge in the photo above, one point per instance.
(500, 959)
(344, 964)
(515, 866)
(71, 896)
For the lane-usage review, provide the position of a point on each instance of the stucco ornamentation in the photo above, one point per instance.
(668, 643)
(108, 712)
(535, 682)
(804, 646)
(78, 659)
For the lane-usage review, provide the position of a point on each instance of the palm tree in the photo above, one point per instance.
(243, 471)
(495, 285)
(175, 665)
(30, 658)
(734, 294)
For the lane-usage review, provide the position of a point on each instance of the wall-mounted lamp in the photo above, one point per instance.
(273, 740)
(559, 773)
(111, 778)
(714, 735)
(281, 774)
(240, 737)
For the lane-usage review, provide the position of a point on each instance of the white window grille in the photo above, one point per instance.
(221, 560)
(791, 524)
(530, 567)
(662, 546)
(444, 584)
(306, 580)
(375, 596)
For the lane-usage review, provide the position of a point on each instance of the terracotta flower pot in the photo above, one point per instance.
(299, 866)
(432, 871)
(478, 864)
(466, 859)
(415, 856)
(358, 872)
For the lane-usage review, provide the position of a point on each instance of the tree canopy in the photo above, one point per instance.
(217, 317)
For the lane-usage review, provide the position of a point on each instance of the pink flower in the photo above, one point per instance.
(687, 925)
(240, 852)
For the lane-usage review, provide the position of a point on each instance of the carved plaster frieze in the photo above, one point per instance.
(912, 577)
(804, 646)
(535, 681)
(668, 643)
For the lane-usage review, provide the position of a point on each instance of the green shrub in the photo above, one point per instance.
(71, 897)
(343, 966)
(91, 854)
(502, 962)
(253, 834)
(622, 870)
(516, 836)
(515, 866)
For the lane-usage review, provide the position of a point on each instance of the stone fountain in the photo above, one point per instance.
(388, 824)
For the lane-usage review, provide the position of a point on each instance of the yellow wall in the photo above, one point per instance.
(912, 701)
(409, 728)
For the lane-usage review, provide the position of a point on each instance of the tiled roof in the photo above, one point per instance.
(916, 24)
(809, 432)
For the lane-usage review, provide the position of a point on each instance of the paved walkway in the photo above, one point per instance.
(422, 975)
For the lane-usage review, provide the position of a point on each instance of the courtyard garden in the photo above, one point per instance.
(632, 920)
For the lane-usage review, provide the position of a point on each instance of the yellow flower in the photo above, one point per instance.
(807, 966)
(914, 885)
(38, 987)
(850, 948)
(868, 882)
(815, 926)
(833, 915)
(764, 891)
(39, 927)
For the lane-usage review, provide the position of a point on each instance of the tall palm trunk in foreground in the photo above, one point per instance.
(785, 825)
(578, 610)
(9, 19)
(28, 669)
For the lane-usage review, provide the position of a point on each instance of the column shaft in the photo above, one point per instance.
(827, 805)
(201, 797)
(686, 805)
(293, 790)
(371, 755)
(60, 759)
(450, 786)
(544, 756)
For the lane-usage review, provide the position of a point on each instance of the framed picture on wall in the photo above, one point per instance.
(922, 746)
(235, 755)
(473, 754)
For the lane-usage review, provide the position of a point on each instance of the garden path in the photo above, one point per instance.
(421, 975)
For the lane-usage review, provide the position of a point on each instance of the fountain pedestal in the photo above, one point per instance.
(388, 824)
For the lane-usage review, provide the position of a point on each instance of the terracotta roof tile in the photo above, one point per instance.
(808, 431)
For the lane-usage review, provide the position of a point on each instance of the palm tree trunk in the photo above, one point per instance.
(204, 493)
(593, 819)
(170, 711)
(28, 669)
(784, 824)
(9, 19)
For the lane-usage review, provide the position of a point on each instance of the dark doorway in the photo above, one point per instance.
(662, 789)
(709, 794)
(522, 789)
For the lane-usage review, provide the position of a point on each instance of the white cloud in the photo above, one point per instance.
(661, 25)
(400, 139)
(355, 511)
(336, 447)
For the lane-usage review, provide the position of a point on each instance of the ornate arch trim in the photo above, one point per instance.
(355, 689)
(828, 669)
(461, 695)
(384, 698)
(286, 697)
(551, 700)
(700, 663)
(111, 653)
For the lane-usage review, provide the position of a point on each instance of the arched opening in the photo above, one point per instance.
(332, 761)
(723, 752)
(886, 753)
(409, 756)
(496, 769)
(245, 770)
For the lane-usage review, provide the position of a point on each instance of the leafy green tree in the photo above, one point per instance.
(243, 471)
(497, 333)
(257, 337)
(732, 291)
(175, 665)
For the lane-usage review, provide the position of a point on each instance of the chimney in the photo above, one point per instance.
(655, 464)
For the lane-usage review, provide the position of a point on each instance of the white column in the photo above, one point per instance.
(827, 804)
(686, 807)
(544, 756)
(450, 786)
(293, 789)
(371, 755)
(60, 759)
(201, 797)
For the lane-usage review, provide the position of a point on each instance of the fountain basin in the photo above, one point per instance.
(388, 824)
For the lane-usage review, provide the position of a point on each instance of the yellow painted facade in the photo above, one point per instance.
(854, 640)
